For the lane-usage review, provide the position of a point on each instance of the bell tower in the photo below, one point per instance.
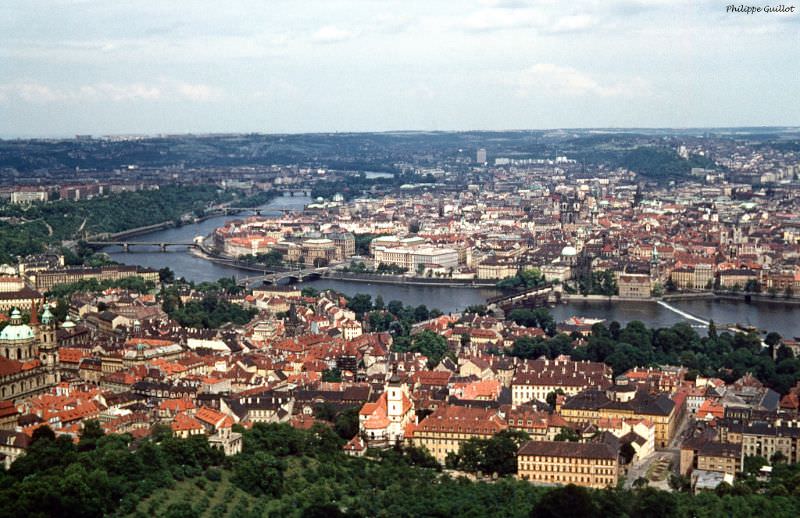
(48, 347)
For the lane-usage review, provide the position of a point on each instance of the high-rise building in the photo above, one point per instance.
(481, 157)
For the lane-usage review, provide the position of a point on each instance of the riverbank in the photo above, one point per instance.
(766, 313)
(677, 297)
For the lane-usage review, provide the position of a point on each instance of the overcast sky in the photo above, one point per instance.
(140, 66)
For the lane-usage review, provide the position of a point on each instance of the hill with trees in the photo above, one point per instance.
(294, 473)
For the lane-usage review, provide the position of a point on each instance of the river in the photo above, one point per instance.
(773, 316)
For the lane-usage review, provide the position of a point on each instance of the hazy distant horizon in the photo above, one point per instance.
(679, 129)
(144, 67)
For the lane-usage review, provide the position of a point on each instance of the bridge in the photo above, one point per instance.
(126, 245)
(530, 298)
(302, 191)
(292, 275)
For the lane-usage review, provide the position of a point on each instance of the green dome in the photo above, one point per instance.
(16, 332)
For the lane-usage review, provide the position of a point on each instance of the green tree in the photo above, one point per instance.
(571, 499)
(360, 304)
(260, 474)
(567, 435)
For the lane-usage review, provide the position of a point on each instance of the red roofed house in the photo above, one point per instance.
(220, 428)
(443, 431)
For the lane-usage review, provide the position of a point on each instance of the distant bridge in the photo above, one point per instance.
(530, 298)
(302, 191)
(227, 211)
(292, 275)
(126, 245)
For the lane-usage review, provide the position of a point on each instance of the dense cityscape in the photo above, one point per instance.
(137, 389)
(399, 259)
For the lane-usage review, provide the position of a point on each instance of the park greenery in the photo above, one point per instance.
(31, 229)
(209, 312)
(495, 455)
(727, 355)
(523, 280)
(134, 283)
(598, 283)
(663, 164)
(295, 473)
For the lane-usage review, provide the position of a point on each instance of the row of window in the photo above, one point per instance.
(566, 469)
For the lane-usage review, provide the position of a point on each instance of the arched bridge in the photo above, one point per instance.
(126, 245)
(532, 297)
(294, 275)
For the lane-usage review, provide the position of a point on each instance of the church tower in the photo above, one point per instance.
(48, 347)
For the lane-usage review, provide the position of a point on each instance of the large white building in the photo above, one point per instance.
(411, 258)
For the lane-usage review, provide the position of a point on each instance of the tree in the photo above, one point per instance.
(772, 339)
(360, 303)
(346, 424)
(569, 500)
(332, 375)
(421, 313)
(654, 503)
(91, 433)
(567, 435)
(166, 275)
(752, 464)
(259, 474)
(680, 483)
(551, 397)
(379, 305)
(429, 344)
(627, 452)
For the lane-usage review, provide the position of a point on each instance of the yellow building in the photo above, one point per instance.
(592, 464)
(443, 431)
(624, 402)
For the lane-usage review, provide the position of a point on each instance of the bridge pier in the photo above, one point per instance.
(162, 247)
(126, 247)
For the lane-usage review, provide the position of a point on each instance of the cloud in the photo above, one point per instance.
(116, 92)
(34, 92)
(566, 81)
(198, 92)
(331, 34)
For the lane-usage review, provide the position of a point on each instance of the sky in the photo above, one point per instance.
(105, 67)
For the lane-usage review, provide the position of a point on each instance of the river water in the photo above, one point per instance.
(773, 316)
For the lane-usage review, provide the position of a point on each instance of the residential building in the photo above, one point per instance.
(592, 464)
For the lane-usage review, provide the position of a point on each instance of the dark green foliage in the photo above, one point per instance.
(332, 375)
(725, 355)
(524, 279)
(260, 474)
(360, 303)
(569, 500)
(56, 478)
(662, 164)
(108, 214)
(210, 312)
(293, 472)
(567, 435)
(497, 455)
(427, 343)
(539, 317)
(134, 283)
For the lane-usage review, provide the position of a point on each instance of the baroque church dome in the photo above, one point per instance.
(16, 330)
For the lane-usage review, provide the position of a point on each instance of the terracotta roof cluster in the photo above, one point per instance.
(459, 419)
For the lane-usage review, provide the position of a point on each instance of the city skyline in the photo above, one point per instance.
(74, 67)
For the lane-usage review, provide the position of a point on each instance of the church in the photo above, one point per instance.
(383, 422)
(28, 355)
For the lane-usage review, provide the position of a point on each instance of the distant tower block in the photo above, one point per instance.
(481, 157)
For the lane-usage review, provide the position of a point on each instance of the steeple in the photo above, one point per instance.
(48, 347)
